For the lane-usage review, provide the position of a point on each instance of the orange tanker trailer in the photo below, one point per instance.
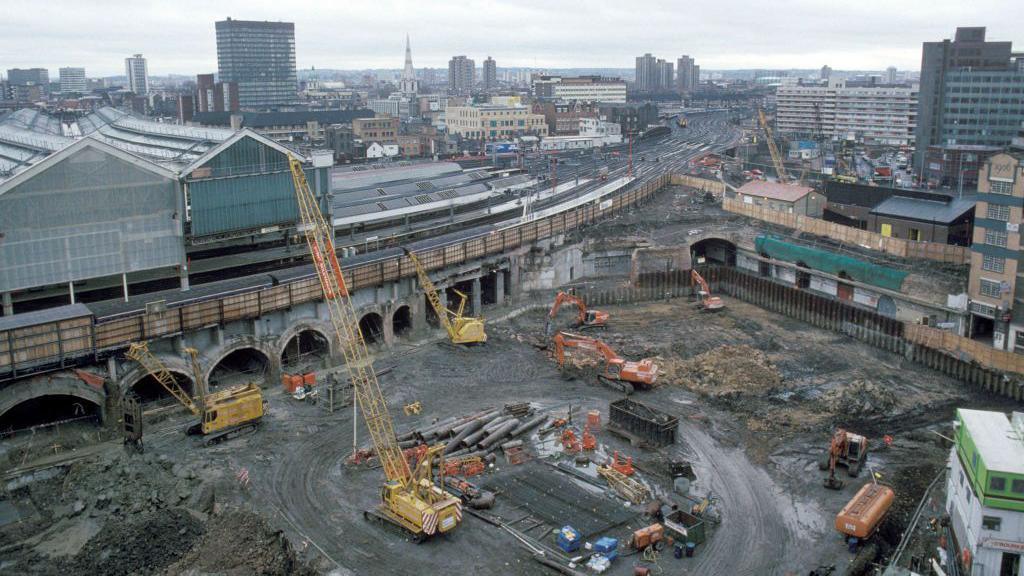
(864, 512)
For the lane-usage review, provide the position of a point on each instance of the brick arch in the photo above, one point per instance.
(322, 328)
(179, 367)
(214, 357)
(12, 396)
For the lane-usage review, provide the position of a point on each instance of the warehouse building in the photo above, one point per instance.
(925, 218)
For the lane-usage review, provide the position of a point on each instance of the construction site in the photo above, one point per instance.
(637, 380)
(678, 428)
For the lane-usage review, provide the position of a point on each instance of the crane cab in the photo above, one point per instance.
(229, 409)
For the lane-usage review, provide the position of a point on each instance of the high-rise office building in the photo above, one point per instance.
(490, 74)
(72, 80)
(461, 75)
(890, 75)
(826, 72)
(685, 80)
(408, 84)
(138, 75)
(259, 57)
(970, 93)
(646, 73)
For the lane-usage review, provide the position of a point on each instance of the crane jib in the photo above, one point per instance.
(336, 268)
(321, 268)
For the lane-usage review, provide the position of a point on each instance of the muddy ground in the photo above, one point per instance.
(284, 500)
(754, 449)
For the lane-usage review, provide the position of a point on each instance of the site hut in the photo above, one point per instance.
(934, 218)
(788, 198)
(985, 491)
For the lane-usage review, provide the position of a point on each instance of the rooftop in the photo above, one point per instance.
(938, 209)
(1000, 446)
(775, 191)
(267, 119)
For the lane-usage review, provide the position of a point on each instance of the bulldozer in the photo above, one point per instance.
(845, 449)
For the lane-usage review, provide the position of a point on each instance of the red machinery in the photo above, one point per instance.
(624, 375)
(584, 319)
(845, 449)
(707, 301)
(589, 440)
(570, 443)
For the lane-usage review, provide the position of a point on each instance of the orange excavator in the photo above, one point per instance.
(585, 319)
(623, 375)
(845, 449)
(707, 301)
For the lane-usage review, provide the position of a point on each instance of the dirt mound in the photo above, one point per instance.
(723, 371)
(860, 398)
(239, 542)
(144, 545)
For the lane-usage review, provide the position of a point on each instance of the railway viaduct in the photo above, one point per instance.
(262, 325)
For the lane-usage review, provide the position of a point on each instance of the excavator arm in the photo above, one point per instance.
(584, 317)
(708, 301)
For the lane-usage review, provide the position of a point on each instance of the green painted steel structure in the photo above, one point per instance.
(247, 186)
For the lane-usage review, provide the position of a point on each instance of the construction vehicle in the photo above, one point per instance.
(409, 498)
(461, 329)
(845, 449)
(708, 301)
(585, 318)
(222, 414)
(780, 168)
(623, 375)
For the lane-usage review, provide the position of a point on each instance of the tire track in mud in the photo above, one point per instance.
(760, 533)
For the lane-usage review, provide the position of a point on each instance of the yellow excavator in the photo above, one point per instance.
(223, 414)
(409, 498)
(461, 329)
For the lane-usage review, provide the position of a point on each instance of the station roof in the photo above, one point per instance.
(938, 209)
(1000, 446)
(156, 141)
(775, 190)
(373, 175)
(26, 137)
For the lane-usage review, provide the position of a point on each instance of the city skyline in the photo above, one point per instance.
(179, 38)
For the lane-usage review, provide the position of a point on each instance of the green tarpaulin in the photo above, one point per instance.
(831, 263)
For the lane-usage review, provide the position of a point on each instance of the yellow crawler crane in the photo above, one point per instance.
(409, 500)
(222, 414)
(780, 168)
(461, 329)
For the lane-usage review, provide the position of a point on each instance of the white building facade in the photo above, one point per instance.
(884, 115)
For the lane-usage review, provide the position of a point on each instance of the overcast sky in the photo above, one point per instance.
(177, 37)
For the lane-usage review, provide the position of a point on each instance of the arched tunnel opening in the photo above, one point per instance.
(803, 279)
(238, 367)
(488, 288)
(148, 389)
(401, 321)
(372, 327)
(47, 410)
(713, 251)
(306, 348)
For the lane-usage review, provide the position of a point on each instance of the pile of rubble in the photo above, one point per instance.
(860, 398)
(723, 371)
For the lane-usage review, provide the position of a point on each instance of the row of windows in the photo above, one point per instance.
(995, 237)
(996, 212)
(997, 187)
(990, 288)
(993, 264)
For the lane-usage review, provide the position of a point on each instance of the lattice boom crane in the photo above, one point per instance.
(409, 500)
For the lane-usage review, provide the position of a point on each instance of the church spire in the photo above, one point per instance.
(408, 84)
